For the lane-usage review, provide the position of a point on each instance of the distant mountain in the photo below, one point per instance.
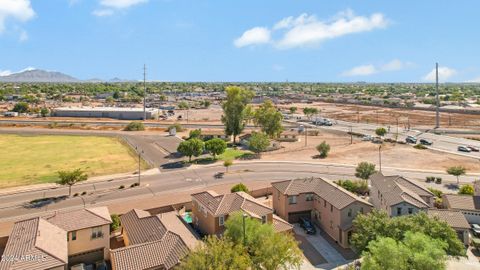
(38, 75)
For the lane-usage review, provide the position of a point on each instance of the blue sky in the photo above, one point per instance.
(248, 40)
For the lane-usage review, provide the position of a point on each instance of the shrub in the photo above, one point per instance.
(75, 195)
(134, 126)
(466, 190)
(239, 187)
(357, 187)
(195, 133)
(438, 180)
(420, 147)
(121, 187)
(177, 127)
(381, 131)
(136, 184)
(429, 179)
(115, 222)
(436, 192)
(84, 193)
(323, 149)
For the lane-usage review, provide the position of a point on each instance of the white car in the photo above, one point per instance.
(476, 229)
(367, 138)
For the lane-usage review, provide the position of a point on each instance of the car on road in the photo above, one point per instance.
(322, 122)
(462, 148)
(307, 226)
(411, 139)
(476, 229)
(473, 148)
(367, 138)
(377, 140)
(425, 142)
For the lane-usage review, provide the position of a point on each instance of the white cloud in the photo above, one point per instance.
(19, 10)
(257, 35)
(9, 72)
(370, 69)
(102, 12)
(23, 36)
(476, 80)
(444, 73)
(119, 4)
(307, 30)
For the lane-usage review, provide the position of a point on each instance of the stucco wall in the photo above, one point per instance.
(85, 242)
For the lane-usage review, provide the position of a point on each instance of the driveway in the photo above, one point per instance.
(321, 245)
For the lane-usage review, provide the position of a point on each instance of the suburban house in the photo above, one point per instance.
(210, 211)
(328, 205)
(213, 134)
(152, 242)
(454, 219)
(399, 196)
(289, 136)
(59, 240)
(468, 205)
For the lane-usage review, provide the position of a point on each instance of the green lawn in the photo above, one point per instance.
(231, 154)
(26, 160)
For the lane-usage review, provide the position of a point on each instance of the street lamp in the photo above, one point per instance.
(244, 216)
(139, 159)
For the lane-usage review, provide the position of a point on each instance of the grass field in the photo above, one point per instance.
(231, 154)
(26, 160)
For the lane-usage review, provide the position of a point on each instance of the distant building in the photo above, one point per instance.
(105, 112)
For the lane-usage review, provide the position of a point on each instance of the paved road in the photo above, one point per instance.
(15, 206)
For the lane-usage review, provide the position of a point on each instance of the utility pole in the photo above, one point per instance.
(380, 156)
(437, 112)
(139, 162)
(351, 135)
(306, 135)
(144, 92)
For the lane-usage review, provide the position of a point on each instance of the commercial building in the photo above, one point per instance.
(106, 112)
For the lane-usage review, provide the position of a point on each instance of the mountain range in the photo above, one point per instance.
(39, 75)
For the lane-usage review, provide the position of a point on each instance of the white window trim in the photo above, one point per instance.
(221, 220)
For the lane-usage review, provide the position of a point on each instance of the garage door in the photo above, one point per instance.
(295, 216)
(86, 257)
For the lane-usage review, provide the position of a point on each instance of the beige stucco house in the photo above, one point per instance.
(58, 240)
(456, 220)
(328, 205)
(210, 211)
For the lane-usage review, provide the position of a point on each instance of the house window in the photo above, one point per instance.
(221, 220)
(349, 214)
(292, 199)
(410, 210)
(308, 197)
(264, 219)
(97, 232)
(399, 211)
(361, 210)
(74, 235)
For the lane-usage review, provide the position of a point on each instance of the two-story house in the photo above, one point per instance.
(210, 211)
(399, 196)
(59, 240)
(328, 205)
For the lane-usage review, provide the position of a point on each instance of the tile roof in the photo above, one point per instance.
(455, 219)
(160, 254)
(155, 241)
(334, 194)
(462, 202)
(43, 242)
(81, 219)
(281, 225)
(396, 189)
(219, 205)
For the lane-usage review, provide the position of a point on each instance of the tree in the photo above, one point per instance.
(115, 222)
(116, 95)
(195, 133)
(456, 171)
(378, 224)
(192, 147)
(134, 126)
(239, 187)
(216, 253)
(206, 103)
(416, 251)
(364, 170)
(309, 112)
(267, 249)
(381, 131)
(234, 110)
(227, 163)
(269, 119)
(323, 149)
(70, 178)
(44, 112)
(216, 147)
(183, 105)
(357, 187)
(258, 142)
(466, 190)
(21, 107)
(292, 110)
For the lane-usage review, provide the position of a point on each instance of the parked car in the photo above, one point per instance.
(476, 229)
(473, 148)
(426, 142)
(101, 265)
(411, 139)
(307, 226)
(462, 148)
(367, 138)
(82, 266)
(377, 140)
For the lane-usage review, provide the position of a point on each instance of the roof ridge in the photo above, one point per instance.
(355, 197)
(43, 250)
(219, 204)
(412, 197)
(88, 209)
(415, 184)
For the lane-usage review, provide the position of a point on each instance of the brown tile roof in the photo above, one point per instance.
(45, 243)
(81, 219)
(396, 189)
(281, 225)
(455, 219)
(334, 194)
(219, 205)
(160, 254)
(141, 227)
(462, 202)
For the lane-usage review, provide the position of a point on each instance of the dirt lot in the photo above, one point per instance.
(388, 116)
(400, 156)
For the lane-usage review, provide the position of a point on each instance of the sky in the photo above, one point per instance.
(248, 40)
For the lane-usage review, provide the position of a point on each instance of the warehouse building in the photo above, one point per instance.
(106, 112)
